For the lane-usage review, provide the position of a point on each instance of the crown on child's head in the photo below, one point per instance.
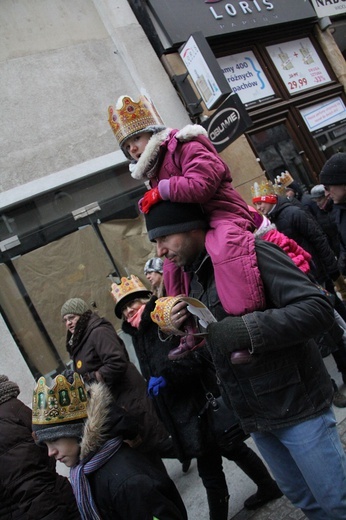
(130, 117)
(263, 192)
(63, 402)
(127, 290)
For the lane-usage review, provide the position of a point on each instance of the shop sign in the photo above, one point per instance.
(204, 70)
(298, 64)
(324, 115)
(329, 7)
(177, 19)
(246, 77)
(227, 123)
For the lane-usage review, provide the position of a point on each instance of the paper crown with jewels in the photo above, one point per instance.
(161, 315)
(263, 192)
(130, 117)
(128, 289)
(63, 402)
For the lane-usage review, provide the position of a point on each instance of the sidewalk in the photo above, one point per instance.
(240, 486)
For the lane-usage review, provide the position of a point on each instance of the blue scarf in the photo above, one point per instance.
(80, 483)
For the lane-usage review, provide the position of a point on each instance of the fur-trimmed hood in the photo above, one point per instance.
(145, 168)
(105, 421)
(96, 430)
(263, 230)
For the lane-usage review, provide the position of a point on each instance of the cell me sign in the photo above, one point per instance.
(246, 77)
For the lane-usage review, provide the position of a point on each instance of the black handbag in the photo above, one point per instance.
(223, 422)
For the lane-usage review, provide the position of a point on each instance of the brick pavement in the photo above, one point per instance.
(282, 509)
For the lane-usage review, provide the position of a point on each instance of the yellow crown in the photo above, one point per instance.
(129, 117)
(123, 291)
(62, 403)
(263, 189)
(281, 183)
(161, 315)
(285, 179)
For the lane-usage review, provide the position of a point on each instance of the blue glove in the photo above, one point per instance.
(155, 384)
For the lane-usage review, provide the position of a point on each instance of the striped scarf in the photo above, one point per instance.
(80, 483)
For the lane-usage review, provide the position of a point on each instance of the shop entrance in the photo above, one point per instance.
(279, 150)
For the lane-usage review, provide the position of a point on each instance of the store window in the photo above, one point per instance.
(326, 121)
(68, 243)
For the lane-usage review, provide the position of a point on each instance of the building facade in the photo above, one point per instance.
(69, 221)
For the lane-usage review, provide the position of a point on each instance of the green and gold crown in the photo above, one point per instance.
(63, 402)
(130, 117)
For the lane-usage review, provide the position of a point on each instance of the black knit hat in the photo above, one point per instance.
(334, 170)
(167, 218)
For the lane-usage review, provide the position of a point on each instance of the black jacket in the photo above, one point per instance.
(128, 486)
(286, 382)
(295, 223)
(30, 487)
(96, 346)
(180, 403)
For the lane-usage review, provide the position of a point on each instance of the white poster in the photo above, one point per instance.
(298, 64)
(200, 73)
(246, 77)
(327, 8)
(324, 114)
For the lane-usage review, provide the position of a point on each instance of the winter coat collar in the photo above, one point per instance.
(146, 167)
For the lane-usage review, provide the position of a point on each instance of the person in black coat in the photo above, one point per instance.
(333, 177)
(84, 428)
(30, 487)
(179, 391)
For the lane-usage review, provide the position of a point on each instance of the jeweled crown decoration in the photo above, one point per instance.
(129, 117)
(161, 315)
(127, 286)
(63, 402)
(262, 189)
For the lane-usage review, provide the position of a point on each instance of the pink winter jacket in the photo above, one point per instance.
(186, 167)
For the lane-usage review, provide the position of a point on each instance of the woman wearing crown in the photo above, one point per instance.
(99, 355)
(86, 432)
(178, 391)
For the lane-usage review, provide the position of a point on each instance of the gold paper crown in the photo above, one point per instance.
(261, 190)
(64, 402)
(161, 315)
(125, 289)
(285, 179)
(129, 117)
(281, 183)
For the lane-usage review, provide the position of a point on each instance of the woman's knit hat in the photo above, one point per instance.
(74, 306)
(154, 265)
(7, 389)
(334, 170)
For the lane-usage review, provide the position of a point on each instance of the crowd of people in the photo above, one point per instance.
(272, 277)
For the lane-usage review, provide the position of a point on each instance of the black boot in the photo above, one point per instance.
(253, 467)
(218, 503)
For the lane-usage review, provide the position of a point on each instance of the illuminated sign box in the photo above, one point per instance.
(204, 70)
